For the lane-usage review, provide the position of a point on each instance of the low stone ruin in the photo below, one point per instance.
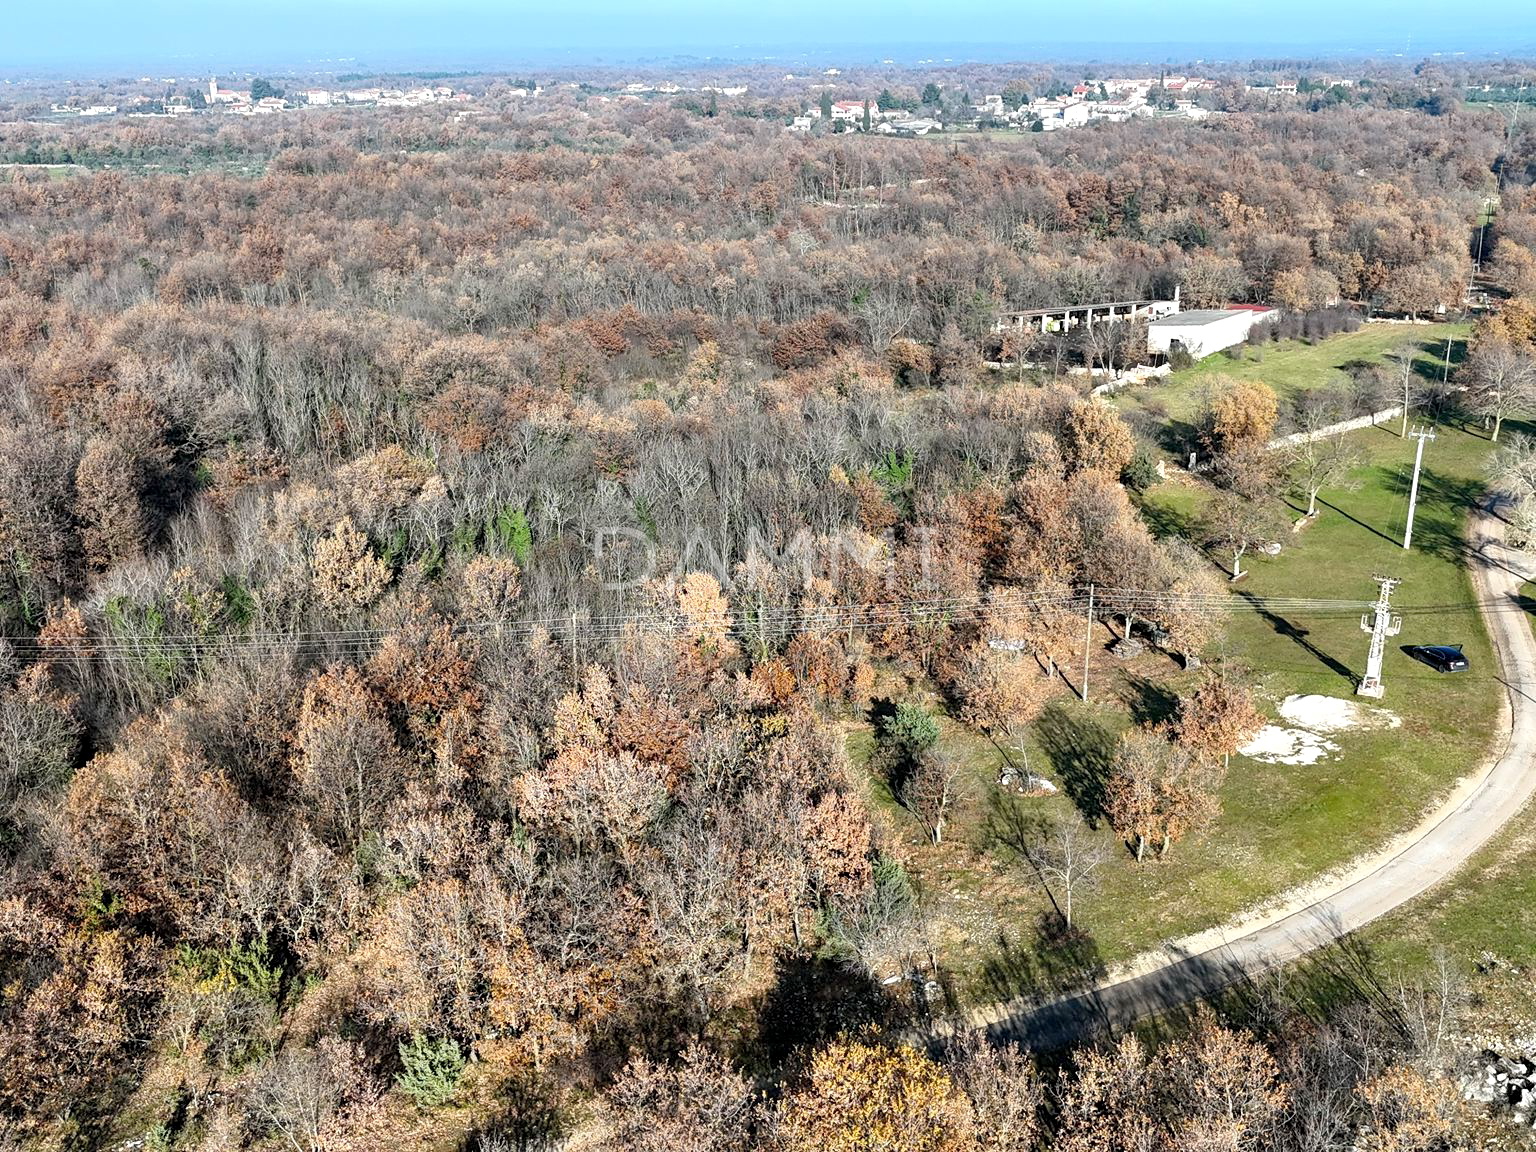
(1023, 783)
(1127, 648)
(1504, 1082)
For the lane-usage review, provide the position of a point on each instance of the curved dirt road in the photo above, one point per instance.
(1444, 841)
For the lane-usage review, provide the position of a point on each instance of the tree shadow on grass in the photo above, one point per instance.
(1013, 825)
(1082, 750)
(1054, 961)
(880, 710)
(1342, 977)
(1163, 521)
(1149, 701)
(1443, 504)
(526, 1113)
(1430, 364)
(1527, 604)
(1178, 438)
(1330, 982)
(812, 1001)
(1284, 627)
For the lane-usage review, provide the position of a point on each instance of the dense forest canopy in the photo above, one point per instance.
(419, 534)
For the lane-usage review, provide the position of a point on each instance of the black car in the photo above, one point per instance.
(1440, 657)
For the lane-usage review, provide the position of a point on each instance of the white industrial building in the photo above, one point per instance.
(1202, 331)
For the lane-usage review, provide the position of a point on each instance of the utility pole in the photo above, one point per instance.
(1087, 643)
(1421, 435)
(1445, 365)
(1482, 233)
(1380, 623)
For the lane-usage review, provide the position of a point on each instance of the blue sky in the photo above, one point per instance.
(298, 33)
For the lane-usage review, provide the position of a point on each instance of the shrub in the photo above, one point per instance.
(910, 730)
(230, 997)
(1141, 473)
(906, 736)
(430, 1070)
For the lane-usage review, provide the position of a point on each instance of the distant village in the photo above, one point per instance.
(1111, 100)
(826, 106)
(262, 99)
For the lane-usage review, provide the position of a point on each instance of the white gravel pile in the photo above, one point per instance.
(1314, 717)
(1331, 714)
(1276, 745)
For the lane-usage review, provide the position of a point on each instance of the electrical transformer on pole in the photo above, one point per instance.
(1380, 623)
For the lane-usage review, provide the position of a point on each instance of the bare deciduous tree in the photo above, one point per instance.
(1067, 858)
(1320, 461)
(1235, 524)
(928, 791)
(1501, 380)
(885, 316)
(298, 1095)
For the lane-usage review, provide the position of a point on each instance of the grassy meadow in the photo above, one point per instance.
(1281, 825)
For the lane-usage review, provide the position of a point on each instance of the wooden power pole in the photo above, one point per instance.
(1087, 643)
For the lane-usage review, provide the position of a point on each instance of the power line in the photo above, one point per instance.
(813, 618)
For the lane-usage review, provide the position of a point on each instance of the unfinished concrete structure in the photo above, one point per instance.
(1068, 317)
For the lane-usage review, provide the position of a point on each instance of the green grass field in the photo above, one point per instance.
(1293, 366)
(54, 172)
(1282, 825)
(1489, 907)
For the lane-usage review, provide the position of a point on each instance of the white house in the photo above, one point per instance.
(317, 96)
(1203, 331)
(1114, 110)
(801, 124)
(852, 111)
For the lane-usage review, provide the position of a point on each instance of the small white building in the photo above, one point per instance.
(1203, 331)
(801, 124)
(217, 95)
(316, 97)
(1112, 110)
(913, 127)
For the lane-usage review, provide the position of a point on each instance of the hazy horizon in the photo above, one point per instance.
(481, 34)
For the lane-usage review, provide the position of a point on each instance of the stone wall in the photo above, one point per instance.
(1368, 421)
